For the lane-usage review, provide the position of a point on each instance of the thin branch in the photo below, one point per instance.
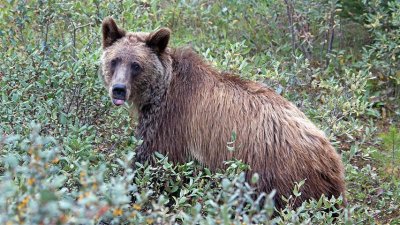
(331, 33)
(289, 11)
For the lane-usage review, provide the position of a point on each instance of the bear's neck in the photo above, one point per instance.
(151, 110)
(165, 114)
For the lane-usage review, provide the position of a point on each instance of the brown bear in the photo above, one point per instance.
(188, 110)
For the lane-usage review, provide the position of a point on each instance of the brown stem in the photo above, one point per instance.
(289, 11)
(331, 34)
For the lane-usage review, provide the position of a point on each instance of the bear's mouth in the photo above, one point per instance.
(118, 102)
(118, 94)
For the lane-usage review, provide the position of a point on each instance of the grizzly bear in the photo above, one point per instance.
(188, 110)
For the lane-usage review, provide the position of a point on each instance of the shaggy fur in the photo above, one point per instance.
(188, 111)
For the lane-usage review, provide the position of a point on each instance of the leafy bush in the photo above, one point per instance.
(383, 55)
(42, 186)
(76, 167)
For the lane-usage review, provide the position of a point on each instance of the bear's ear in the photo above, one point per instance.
(158, 40)
(111, 32)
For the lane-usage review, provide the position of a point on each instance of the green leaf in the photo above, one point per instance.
(47, 196)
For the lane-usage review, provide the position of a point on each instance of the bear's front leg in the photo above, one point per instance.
(143, 154)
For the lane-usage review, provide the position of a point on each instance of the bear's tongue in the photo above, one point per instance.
(118, 101)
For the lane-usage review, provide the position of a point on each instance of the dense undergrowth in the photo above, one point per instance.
(66, 153)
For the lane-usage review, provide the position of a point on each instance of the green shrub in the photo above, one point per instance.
(75, 168)
(41, 185)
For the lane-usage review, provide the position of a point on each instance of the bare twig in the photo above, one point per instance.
(299, 29)
(290, 11)
(74, 35)
(331, 33)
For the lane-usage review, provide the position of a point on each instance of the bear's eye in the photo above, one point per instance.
(114, 62)
(135, 67)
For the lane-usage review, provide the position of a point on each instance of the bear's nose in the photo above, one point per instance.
(119, 91)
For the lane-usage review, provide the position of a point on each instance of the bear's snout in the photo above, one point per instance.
(118, 94)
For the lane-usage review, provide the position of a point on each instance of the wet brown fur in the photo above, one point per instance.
(188, 111)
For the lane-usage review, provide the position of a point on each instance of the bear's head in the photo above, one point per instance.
(135, 66)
